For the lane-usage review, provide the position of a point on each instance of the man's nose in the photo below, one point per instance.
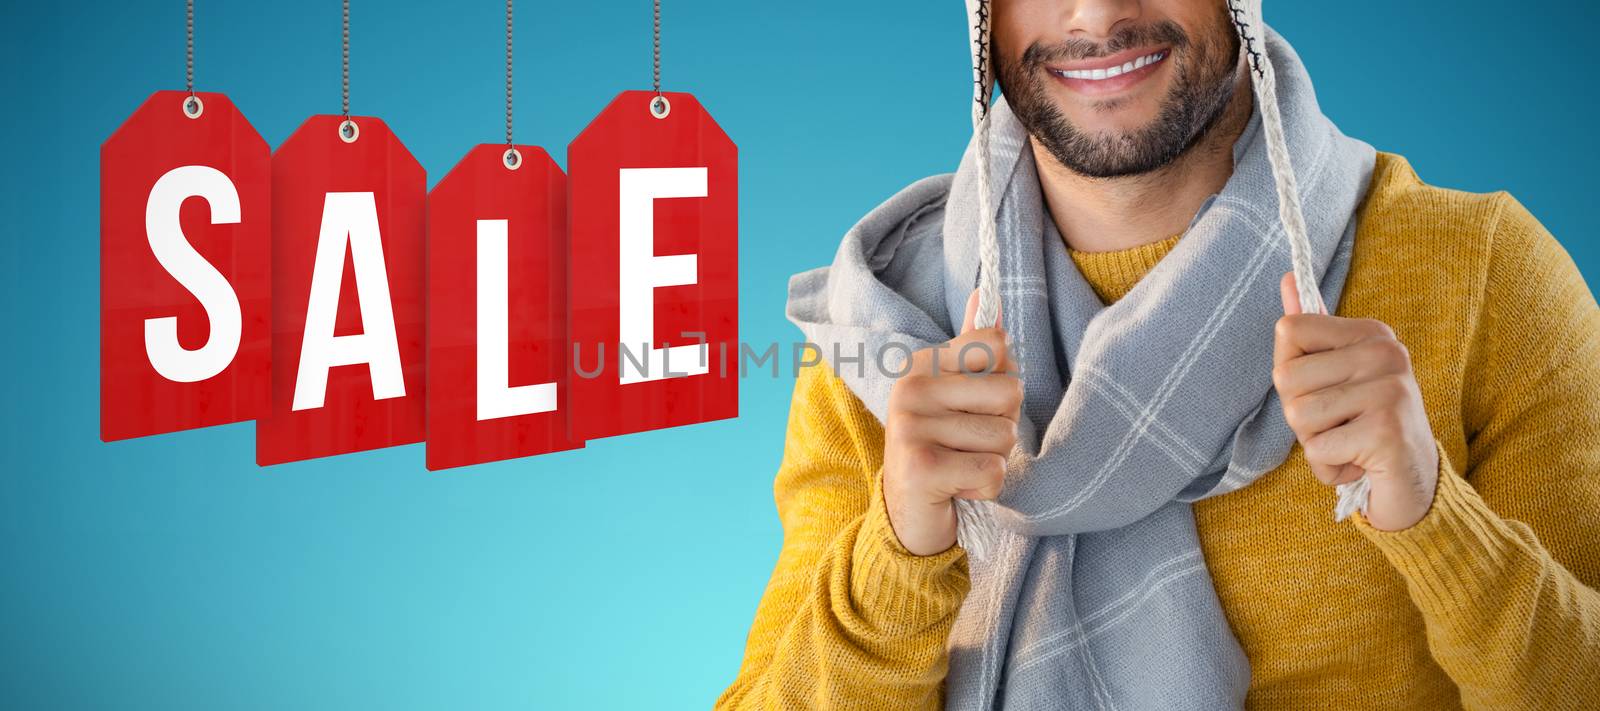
(1097, 20)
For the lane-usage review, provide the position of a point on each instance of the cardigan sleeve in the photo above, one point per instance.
(1505, 564)
(850, 618)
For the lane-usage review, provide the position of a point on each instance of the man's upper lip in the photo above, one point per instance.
(1106, 62)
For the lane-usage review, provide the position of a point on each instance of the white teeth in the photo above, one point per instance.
(1109, 72)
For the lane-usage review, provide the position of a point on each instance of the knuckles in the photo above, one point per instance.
(1329, 476)
(1294, 412)
(1387, 419)
(1378, 329)
(1395, 388)
(980, 351)
(1283, 330)
(907, 389)
(993, 338)
(996, 432)
(1016, 392)
(922, 457)
(1393, 356)
(1281, 376)
(985, 465)
(990, 470)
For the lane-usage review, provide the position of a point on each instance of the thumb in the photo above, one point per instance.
(1336, 474)
(1289, 294)
(972, 312)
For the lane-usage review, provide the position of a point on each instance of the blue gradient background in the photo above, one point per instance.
(172, 573)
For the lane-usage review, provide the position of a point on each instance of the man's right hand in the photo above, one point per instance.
(952, 422)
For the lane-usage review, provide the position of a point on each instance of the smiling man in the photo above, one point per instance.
(1104, 475)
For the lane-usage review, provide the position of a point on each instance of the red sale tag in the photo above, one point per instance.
(185, 280)
(348, 215)
(654, 267)
(497, 300)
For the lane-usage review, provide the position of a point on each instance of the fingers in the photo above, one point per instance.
(997, 394)
(952, 422)
(982, 350)
(977, 351)
(1312, 372)
(967, 433)
(1299, 334)
(968, 475)
(1367, 360)
(1337, 452)
(1336, 474)
(979, 494)
(1316, 412)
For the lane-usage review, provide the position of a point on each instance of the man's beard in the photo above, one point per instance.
(1203, 83)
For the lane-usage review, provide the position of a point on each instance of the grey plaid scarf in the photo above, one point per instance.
(1096, 595)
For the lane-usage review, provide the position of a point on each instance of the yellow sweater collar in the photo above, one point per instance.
(1113, 274)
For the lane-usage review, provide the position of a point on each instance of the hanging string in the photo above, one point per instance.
(188, 58)
(508, 73)
(348, 130)
(659, 106)
(1352, 496)
(976, 528)
(192, 105)
(511, 157)
(345, 60)
(655, 46)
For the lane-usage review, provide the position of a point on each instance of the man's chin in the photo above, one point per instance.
(1107, 156)
(1112, 119)
(1112, 141)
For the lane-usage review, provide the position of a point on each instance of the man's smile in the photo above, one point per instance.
(1108, 75)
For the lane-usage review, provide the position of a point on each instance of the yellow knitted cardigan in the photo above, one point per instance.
(1489, 602)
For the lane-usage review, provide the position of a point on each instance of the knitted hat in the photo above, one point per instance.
(976, 527)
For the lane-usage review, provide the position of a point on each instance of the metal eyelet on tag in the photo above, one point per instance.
(349, 131)
(193, 106)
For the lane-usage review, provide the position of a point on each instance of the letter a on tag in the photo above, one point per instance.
(654, 267)
(185, 268)
(497, 321)
(347, 312)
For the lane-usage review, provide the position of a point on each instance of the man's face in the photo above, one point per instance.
(1115, 87)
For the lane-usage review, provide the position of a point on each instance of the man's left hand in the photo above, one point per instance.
(1350, 397)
